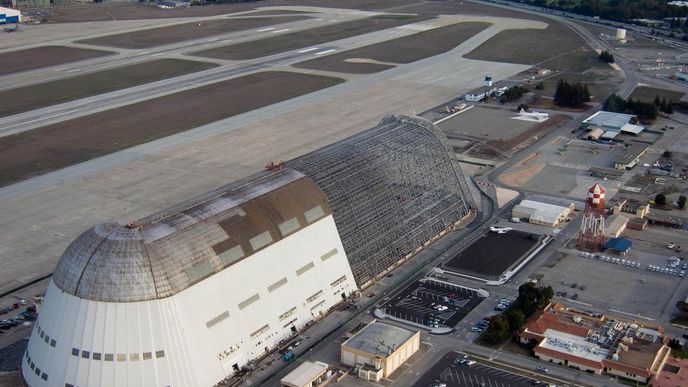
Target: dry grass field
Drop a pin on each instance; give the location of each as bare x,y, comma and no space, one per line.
648,94
401,50
529,46
188,31
103,12
69,142
269,46
35,58
41,95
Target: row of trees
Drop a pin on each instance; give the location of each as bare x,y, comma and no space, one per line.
530,299
615,103
661,200
663,105
571,94
623,10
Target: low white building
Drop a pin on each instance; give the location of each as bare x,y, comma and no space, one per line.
542,213
612,122
307,374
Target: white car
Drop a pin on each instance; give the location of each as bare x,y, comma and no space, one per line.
671,246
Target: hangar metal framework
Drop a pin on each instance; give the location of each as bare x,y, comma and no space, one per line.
392,188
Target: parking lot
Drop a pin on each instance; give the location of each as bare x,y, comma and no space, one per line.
611,285
448,371
433,303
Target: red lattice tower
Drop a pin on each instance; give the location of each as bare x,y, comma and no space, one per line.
591,236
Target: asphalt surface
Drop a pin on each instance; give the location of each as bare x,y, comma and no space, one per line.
417,303
480,374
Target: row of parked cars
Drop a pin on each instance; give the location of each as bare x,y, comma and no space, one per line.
604,258
29,314
502,305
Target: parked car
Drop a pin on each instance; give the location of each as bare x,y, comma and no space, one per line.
671,245
543,369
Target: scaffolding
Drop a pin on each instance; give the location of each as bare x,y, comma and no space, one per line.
392,189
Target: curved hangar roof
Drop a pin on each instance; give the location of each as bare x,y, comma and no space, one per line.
170,251
390,189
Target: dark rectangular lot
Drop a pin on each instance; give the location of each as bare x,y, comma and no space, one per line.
37,96
69,142
414,303
492,254
300,39
35,58
448,371
188,31
401,50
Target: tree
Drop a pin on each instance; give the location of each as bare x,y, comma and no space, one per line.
522,106
615,103
539,86
606,57
663,105
516,319
681,202
547,295
497,331
572,95
660,199
669,108
657,100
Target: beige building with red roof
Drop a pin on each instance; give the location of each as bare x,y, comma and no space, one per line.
596,343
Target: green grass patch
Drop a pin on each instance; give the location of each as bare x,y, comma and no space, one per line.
517,349
41,95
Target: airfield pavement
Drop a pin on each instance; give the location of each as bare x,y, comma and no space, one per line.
306,38
49,93
68,142
188,31
406,49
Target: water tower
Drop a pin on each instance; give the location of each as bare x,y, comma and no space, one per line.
591,236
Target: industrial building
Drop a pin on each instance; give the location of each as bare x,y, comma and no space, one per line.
611,124
596,343
26,4
190,295
629,159
482,92
541,213
615,225
9,15
308,374
630,206
377,350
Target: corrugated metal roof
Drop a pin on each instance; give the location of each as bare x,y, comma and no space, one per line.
169,251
